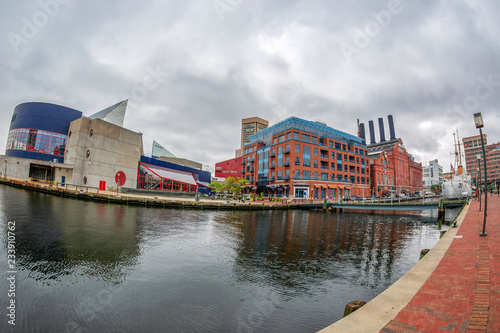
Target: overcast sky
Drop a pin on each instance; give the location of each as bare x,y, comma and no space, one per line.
193,69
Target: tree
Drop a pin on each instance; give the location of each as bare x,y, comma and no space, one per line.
216,187
234,185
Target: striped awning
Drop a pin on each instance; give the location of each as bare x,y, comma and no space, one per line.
178,176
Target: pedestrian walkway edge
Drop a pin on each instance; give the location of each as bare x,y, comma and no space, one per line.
377,313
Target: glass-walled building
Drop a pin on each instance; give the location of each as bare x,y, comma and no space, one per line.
39,131
297,158
163,179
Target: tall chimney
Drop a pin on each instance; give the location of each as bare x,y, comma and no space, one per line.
362,131
381,127
391,127
372,132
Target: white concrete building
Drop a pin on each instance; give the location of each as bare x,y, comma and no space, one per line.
432,174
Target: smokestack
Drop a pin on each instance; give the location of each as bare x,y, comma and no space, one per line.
391,127
372,132
362,131
381,127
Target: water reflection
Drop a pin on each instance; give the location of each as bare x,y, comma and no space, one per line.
106,268
54,236
303,246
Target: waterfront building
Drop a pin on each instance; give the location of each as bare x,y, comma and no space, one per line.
250,126
473,148
98,150
39,131
57,144
392,168
298,158
432,175
229,168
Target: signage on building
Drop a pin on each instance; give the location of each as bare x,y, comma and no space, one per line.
120,178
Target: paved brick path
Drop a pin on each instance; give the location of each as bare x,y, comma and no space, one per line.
463,292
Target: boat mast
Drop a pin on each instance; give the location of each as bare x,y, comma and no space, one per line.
460,166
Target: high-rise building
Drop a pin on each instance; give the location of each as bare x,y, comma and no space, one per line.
250,126
473,148
432,174
297,158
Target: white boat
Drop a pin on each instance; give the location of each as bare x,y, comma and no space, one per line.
456,188
459,186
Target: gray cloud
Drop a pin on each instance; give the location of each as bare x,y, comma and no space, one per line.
269,59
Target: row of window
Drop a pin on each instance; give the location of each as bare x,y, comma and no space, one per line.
308,175
39,141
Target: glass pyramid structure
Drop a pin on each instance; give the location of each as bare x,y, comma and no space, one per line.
114,114
159,151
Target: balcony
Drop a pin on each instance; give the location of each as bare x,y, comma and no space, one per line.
272,166
324,156
286,164
286,151
272,154
286,178
243,162
243,171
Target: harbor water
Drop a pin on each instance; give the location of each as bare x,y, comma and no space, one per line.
90,267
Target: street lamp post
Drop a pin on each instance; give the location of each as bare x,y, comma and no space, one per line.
478,182
478,120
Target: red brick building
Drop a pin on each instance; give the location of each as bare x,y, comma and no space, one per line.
296,158
229,168
472,147
393,169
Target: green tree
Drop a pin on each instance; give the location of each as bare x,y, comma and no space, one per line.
216,187
234,185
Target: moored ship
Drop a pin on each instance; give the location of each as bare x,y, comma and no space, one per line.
459,186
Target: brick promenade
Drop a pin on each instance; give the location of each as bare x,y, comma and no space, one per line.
463,292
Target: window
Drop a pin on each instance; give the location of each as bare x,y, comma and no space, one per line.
306,138
296,174
315,150
297,148
344,147
296,135
39,141
324,176
315,163
307,174
337,145
297,160
288,135
315,140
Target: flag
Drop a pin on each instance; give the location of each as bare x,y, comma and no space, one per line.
452,168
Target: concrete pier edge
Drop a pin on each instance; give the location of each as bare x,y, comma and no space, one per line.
377,313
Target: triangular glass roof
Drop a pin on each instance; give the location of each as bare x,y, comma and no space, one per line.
159,151
114,114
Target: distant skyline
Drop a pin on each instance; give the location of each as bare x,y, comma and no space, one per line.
193,69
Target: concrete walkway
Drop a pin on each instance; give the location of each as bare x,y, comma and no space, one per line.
463,293
454,288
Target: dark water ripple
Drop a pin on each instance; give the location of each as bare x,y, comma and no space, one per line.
87,267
